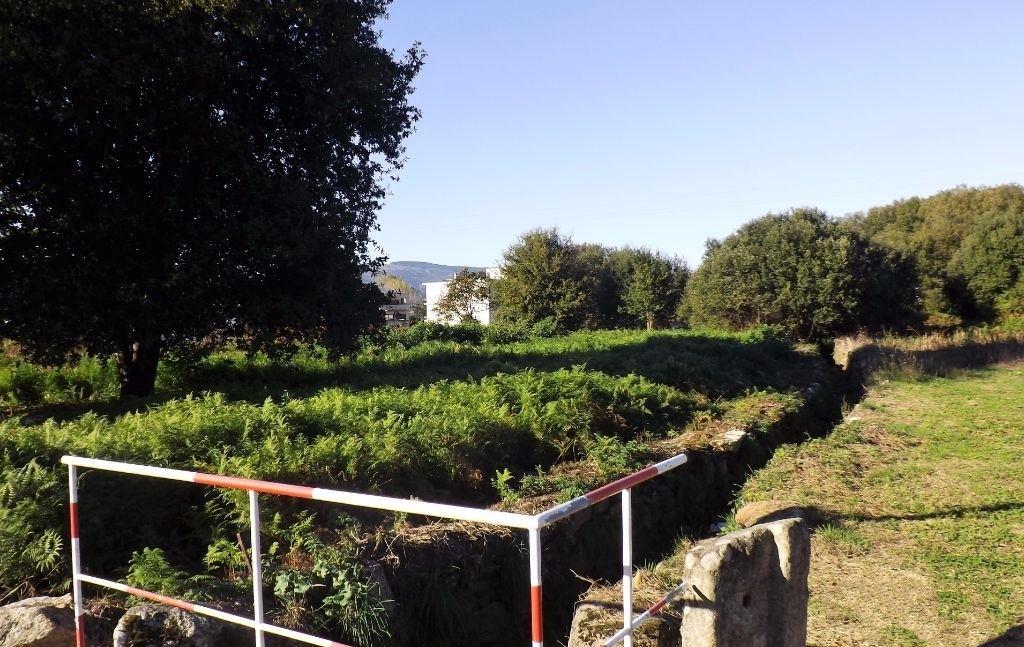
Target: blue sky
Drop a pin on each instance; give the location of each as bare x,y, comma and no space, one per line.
662,124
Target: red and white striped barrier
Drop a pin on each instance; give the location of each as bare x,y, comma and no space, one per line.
626,632
583,502
532,523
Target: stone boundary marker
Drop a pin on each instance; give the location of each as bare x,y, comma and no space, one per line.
748,588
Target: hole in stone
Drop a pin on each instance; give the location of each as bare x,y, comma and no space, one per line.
746,600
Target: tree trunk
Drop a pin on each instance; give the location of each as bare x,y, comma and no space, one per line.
136,367
650,321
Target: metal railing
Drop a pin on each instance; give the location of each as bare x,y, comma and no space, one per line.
533,524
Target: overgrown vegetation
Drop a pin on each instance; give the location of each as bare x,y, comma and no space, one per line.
967,244
432,411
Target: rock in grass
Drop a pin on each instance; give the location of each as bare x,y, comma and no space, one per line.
160,625
38,622
767,511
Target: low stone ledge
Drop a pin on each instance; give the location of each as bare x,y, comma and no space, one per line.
759,512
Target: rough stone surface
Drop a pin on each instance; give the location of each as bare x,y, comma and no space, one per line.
749,588
730,440
38,622
159,625
591,622
769,511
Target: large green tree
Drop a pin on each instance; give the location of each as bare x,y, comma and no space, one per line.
652,285
466,294
989,264
803,271
174,171
933,231
543,276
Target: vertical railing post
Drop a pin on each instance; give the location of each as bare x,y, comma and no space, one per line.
256,559
536,596
627,566
76,555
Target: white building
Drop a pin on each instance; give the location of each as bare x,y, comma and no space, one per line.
436,290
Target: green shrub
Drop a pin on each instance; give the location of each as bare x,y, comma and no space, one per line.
467,332
31,528
545,328
509,333
805,272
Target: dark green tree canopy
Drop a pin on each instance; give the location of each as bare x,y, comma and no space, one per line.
803,271
548,277
990,264
173,171
651,285
934,232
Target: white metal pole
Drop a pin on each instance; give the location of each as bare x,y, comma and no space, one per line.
76,555
627,566
536,595
256,560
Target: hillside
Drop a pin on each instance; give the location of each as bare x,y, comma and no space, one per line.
416,273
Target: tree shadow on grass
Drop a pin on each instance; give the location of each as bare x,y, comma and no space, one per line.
947,358
816,516
65,411
1013,637
715,366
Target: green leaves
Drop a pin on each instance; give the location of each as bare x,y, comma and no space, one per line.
967,246
466,295
804,271
554,285
176,175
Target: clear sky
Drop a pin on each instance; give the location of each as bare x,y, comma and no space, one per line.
662,124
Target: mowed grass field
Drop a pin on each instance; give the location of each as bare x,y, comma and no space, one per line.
921,497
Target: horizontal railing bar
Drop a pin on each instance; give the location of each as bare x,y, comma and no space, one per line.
641,619
411,506
583,502
212,613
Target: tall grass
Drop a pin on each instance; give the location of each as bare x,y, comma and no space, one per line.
933,354
86,378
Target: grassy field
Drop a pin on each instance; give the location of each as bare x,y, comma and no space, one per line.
922,495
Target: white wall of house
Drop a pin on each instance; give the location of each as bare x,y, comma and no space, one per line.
436,290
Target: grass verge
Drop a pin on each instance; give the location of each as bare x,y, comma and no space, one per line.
922,490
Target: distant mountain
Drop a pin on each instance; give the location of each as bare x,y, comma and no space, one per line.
416,273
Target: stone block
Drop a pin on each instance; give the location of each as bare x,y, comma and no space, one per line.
748,588
158,624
